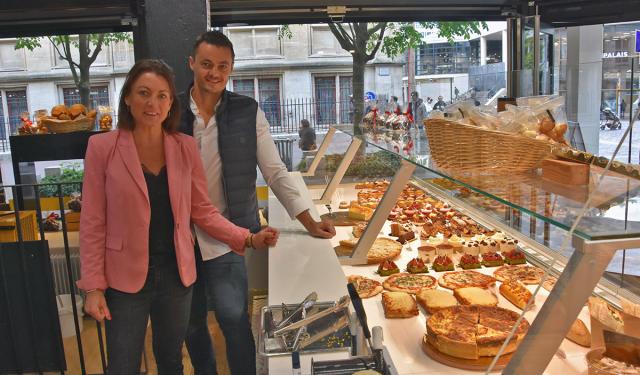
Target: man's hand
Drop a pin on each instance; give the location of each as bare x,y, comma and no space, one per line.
320,229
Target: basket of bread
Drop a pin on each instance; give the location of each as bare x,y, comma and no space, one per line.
468,138
65,119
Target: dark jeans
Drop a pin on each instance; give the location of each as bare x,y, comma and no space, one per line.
223,282
168,302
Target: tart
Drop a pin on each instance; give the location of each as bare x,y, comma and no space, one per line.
514,257
416,265
468,261
492,259
443,263
387,268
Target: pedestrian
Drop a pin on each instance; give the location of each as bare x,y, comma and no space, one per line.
307,134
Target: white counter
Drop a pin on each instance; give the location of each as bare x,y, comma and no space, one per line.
301,264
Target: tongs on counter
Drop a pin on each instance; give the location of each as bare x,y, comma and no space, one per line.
282,329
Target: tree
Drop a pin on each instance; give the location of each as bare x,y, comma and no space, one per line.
363,40
89,47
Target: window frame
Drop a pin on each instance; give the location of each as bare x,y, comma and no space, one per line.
5,106
60,86
21,51
338,51
254,55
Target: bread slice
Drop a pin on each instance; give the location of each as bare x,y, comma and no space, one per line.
475,296
579,334
516,293
433,300
399,305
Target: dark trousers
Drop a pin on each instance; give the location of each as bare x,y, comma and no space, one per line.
223,283
168,302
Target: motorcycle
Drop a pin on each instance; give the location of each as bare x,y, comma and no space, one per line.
608,119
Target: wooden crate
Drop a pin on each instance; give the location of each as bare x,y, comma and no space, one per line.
28,224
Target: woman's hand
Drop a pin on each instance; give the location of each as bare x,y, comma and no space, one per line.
96,305
267,237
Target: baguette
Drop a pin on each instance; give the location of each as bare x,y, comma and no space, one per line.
579,334
515,293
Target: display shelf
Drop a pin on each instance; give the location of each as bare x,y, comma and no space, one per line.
614,198
594,224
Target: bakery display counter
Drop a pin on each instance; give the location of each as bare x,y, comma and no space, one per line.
403,213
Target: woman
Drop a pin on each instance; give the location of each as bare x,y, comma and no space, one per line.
143,186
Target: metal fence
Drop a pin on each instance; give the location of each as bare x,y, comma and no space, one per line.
284,117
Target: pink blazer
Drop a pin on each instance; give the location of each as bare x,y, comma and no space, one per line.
114,224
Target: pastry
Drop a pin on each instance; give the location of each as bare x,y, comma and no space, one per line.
417,265
433,300
409,282
444,249
443,263
387,268
492,259
468,262
343,205
427,253
516,293
579,334
399,305
514,257
475,296
365,287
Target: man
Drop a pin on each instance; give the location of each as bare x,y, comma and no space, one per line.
417,109
233,136
440,104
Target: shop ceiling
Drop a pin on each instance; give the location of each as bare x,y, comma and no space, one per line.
46,17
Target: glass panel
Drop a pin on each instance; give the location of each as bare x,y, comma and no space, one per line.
16,105
346,104
99,96
267,42
269,93
244,87
3,132
325,97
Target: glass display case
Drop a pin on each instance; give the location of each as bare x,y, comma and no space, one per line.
537,247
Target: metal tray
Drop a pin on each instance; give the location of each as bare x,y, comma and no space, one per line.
327,334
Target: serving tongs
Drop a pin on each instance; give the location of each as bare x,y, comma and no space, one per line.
282,329
301,310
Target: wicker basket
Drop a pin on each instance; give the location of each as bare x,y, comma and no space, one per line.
465,148
69,126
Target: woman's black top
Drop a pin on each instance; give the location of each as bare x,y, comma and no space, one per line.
161,248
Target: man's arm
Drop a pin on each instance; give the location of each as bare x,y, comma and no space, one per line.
277,177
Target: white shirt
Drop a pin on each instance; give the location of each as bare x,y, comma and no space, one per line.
274,172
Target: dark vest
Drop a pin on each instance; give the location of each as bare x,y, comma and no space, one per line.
237,142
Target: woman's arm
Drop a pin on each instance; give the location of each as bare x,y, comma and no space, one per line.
93,220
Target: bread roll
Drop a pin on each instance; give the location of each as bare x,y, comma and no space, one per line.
59,110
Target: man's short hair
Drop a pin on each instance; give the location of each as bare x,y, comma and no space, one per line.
415,93
215,38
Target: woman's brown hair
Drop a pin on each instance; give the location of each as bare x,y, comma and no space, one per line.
125,120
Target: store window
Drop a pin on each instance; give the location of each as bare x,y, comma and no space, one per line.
10,58
267,95
99,96
324,43
446,58
332,98
14,103
257,42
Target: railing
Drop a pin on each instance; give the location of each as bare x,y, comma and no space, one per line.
284,117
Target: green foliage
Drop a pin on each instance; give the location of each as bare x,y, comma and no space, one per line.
32,43
70,178
377,164
284,32
402,36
